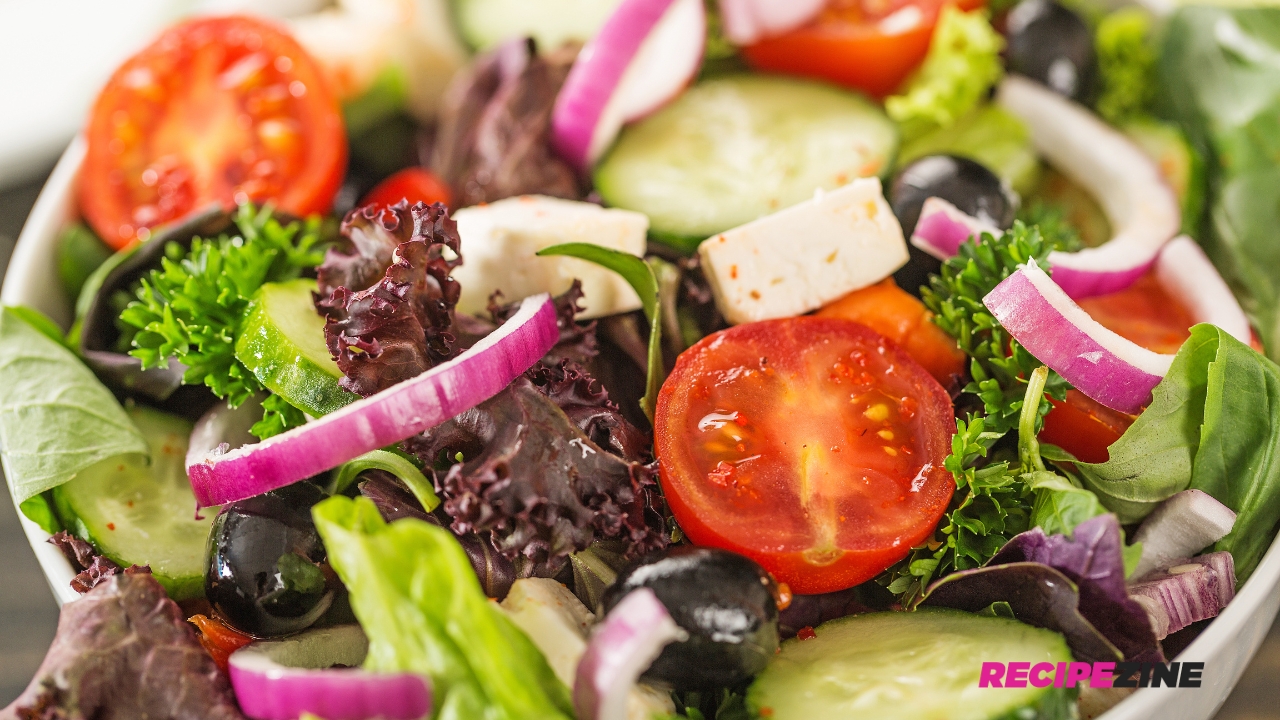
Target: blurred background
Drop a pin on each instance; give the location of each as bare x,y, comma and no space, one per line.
56,100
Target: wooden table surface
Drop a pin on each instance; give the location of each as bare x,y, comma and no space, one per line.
29,616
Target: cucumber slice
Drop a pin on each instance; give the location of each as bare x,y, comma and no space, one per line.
738,147
282,342
907,666
485,24
990,135
139,514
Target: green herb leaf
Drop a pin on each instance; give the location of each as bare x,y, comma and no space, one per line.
393,463
1126,65
56,419
420,603
192,307
39,510
640,275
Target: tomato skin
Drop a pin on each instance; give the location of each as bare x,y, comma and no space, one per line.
859,44
801,395
219,639
412,185
1084,427
216,110
899,316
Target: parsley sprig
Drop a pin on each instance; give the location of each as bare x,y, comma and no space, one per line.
993,499
191,307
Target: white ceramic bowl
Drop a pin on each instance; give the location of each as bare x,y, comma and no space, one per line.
1225,647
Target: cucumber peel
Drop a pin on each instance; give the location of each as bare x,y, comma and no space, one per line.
282,342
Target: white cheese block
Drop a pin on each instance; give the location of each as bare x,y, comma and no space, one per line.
558,624
499,241
805,256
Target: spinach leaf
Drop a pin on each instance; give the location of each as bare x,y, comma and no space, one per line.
1060,505
639,274
56,419
418,599
1220,75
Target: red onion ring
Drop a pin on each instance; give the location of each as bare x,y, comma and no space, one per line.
621,649
748,21
388,417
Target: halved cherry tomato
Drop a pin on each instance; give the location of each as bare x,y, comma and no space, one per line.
1084,427
871,45
812,445
220,109
1143,313
412,185
899,316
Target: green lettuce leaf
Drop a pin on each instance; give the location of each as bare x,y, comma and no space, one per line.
418,600
962,65
1126,65
56,419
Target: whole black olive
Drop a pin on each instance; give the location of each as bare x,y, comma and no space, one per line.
725,602
263,563
965,183
1049,43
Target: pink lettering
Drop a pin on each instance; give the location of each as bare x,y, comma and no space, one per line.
991,674
1076,672
1038,676
1058,676
1102,674
1017,675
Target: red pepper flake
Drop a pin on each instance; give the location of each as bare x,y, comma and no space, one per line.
111,526
806,633
784,596
722,475
907,407
733,272
765,712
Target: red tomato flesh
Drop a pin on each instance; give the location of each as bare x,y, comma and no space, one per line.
411,185
1143,313
869,45
1084,427
812,445
220,109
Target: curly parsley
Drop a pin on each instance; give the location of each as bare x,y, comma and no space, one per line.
191,308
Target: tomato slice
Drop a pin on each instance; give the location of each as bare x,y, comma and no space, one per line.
899,316
1084,427
411,185
219,109
1143,313
870,45
812,445
218,638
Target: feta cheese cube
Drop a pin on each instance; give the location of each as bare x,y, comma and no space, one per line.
499,241
805,256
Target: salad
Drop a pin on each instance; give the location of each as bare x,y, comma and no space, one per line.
608,359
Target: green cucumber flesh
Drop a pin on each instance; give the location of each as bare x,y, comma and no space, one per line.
921,665
282,342
140,514
485,24
738,147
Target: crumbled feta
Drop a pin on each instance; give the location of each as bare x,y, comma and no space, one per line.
805,256
499,241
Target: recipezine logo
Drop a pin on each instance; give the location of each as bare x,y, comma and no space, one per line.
1098,674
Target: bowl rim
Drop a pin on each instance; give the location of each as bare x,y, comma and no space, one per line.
32,267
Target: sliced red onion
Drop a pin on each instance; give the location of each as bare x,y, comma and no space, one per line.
1104,366
1186,591
642,58
1184,271
223,425
282,679
621,649
388,417
1180,527
1141,207
747,21
943,228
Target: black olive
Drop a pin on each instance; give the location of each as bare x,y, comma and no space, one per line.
965,183
724,601
263,564
1049,43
